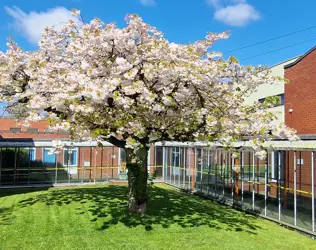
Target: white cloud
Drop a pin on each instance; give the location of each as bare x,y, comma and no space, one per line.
214,3
148,3
234,12
237,15
221,3
239,1
32,24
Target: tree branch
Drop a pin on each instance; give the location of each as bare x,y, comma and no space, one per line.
116,142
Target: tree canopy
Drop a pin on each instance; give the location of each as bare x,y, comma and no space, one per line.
132,87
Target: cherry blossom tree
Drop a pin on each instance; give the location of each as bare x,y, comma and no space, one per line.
131,87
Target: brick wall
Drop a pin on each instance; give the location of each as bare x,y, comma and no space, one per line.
303,172
300,95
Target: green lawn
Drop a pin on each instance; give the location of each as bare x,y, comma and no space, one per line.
95,217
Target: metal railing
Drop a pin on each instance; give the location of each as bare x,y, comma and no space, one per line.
31,164
281,187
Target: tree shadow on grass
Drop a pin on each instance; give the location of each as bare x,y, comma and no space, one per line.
167,207
22,190
6,216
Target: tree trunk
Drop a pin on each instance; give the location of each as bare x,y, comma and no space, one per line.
137,180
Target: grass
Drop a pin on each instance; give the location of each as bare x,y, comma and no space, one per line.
95,217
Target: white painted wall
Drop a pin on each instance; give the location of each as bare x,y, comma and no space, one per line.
266,90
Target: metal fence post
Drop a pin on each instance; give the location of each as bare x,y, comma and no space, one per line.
279,182
190,167
102,152
28,167
295,208
68,169
201,170
272,166
43,166
164,164
265,183
179,168
184,166
18,166
14,171
208,174
253,181
155,156
95,165
112,163
211,170
174,149
0,165
231,175
242,178
56,169
83,174
313,194
195,170
215,165
222,173
249,173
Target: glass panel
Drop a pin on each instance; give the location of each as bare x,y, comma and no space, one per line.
158,161
247,175
287,184
189,162
49,158
304,190
198,170
74,158
176,162
23,161
220,173
169,163
272,183
32,154
204,170
227,166
70,157
259,185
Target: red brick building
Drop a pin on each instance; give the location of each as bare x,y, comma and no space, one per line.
10,128
300,106
80,162
300,94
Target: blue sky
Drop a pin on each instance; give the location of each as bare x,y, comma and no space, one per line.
182,21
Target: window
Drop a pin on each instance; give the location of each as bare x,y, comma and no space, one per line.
24,157
122,155
48,131
32,154
159,156
273,101
15,130
70,156
47,157
261,100
274,173
32,130
122,162
282,99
